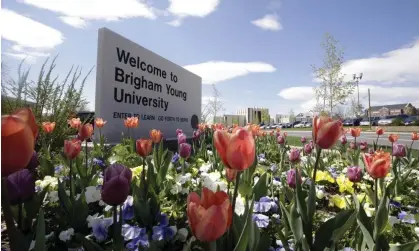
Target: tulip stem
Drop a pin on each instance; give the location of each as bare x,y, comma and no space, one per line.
376,195
87,157
212,246
8,217
236,189
183,166
19,217
316,164
71,180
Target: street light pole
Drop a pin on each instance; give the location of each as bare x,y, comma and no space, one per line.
356,79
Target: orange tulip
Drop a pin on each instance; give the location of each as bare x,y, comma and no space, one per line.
393,137
85,131
131,122
99,122
231,174
379,131
377,164
415,136
48,127
278,129
155,136
355,132
326,131
18,132
210,215
237,150
144,147
72,148
74,123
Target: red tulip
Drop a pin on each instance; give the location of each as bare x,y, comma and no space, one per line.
74,123
237,150
379,131
18,132
48,127
155,136
393,137
144,147
355,132
415,136
209,216
85,131
72,148
326,131
377,164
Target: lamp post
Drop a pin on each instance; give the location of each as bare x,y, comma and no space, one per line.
356,79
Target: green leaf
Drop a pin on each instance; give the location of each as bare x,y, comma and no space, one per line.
151,175
343,222
324,235
261,187
311,208
163,169
254,236
411,246
381,217
264,242
64,199
296,223
364,224
32,207
300,198
244,236
245,188
40,232
88,245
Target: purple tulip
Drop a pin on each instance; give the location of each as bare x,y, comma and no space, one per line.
181,138
178,131
196,134
307,149
363,146
185,150
294,155
280,140
116,184
354,174
34,163
352,145
343,140
20,186
311,144
303,140
399,150
291,178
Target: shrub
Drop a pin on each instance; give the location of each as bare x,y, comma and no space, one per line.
397,122
51,99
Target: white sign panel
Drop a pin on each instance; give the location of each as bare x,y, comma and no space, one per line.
133,81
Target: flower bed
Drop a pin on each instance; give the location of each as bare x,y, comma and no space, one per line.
240,190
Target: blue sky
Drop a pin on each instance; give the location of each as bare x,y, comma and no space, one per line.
258,53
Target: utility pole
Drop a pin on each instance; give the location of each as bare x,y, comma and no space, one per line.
369,107
356,79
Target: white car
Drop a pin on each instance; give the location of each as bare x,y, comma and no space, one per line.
300,125
385,122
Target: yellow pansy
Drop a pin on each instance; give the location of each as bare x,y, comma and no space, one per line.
362,197
136,171
200,161
338,201
345,184
322,175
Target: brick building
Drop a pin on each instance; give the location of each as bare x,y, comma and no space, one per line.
388,110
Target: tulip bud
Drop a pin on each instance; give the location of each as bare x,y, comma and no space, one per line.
326,131
48,127
20,186
34,162
179,131
85,132
343,140
181,138
280,140
72,148
116,184
303,140
378,164
99,122
291,178
354,174
307,149
196,134
379,131
355,132
185,150
294,155
415,136
393,137
74,123
144,147
155,136
399,150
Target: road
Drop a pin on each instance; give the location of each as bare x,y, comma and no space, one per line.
369,137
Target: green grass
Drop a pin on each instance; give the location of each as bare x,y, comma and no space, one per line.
296,141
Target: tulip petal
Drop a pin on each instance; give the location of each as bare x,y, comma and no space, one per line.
328,134
213,223
241,150
221,141
27,115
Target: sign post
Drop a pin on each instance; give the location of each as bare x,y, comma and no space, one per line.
133,81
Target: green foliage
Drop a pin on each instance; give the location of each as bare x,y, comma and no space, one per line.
397,122
51,99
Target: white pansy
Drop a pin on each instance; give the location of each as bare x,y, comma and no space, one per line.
99,181
320,194
212,181
205,167
417,231
209,152
184,190
66,235
92,219
369,211
182,179
53,196
182,234
92,194
49,181
176,188
393,220
239,209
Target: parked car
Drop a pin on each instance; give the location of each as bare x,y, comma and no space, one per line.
366,121
352,122
308,124
388,120
299,125
411,120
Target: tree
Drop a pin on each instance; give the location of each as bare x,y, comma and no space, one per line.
355,109
265,116
333,90
411,110
215,104
292,116
205,113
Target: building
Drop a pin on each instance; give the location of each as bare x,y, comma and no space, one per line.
304,117
229,120
284,119
255,115
388,110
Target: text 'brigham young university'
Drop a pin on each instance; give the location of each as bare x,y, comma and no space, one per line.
141,83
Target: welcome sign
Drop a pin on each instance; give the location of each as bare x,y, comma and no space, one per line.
133,81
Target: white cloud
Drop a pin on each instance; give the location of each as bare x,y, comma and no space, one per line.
268,22
175,23
397,66
213,72
108,10
194,8
26,32
297,93
76,22
29,57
